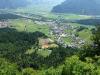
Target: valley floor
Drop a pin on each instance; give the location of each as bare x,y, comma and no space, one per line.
48,44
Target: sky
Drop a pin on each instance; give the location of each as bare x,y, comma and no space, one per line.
47,1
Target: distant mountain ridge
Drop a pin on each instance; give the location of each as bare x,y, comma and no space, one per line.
44,5
12,3
22,3
83,7
53,2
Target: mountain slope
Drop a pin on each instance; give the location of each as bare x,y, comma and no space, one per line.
12,3
36,5
45,4
52,2
86,7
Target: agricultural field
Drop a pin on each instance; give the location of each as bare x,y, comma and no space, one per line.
28,26
39,23
86,34
66,16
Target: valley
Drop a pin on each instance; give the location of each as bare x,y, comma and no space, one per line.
58,28
45,37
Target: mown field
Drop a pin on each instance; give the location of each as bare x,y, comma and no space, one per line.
28,26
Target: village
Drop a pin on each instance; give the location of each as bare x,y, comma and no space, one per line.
59,32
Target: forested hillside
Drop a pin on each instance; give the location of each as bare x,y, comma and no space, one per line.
84,7
14,59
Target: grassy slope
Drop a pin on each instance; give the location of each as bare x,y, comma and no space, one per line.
86,35
19,24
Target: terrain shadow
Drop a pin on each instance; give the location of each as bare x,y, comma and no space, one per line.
7,16
14,44
89,22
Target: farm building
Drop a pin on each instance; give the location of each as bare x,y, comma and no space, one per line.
46,43
3,24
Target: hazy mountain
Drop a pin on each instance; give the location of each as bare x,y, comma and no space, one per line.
12,3
35,4
87,7
43,5
46,4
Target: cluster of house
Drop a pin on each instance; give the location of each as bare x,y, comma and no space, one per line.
40,22
3,24
59,33
77,41
44,22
